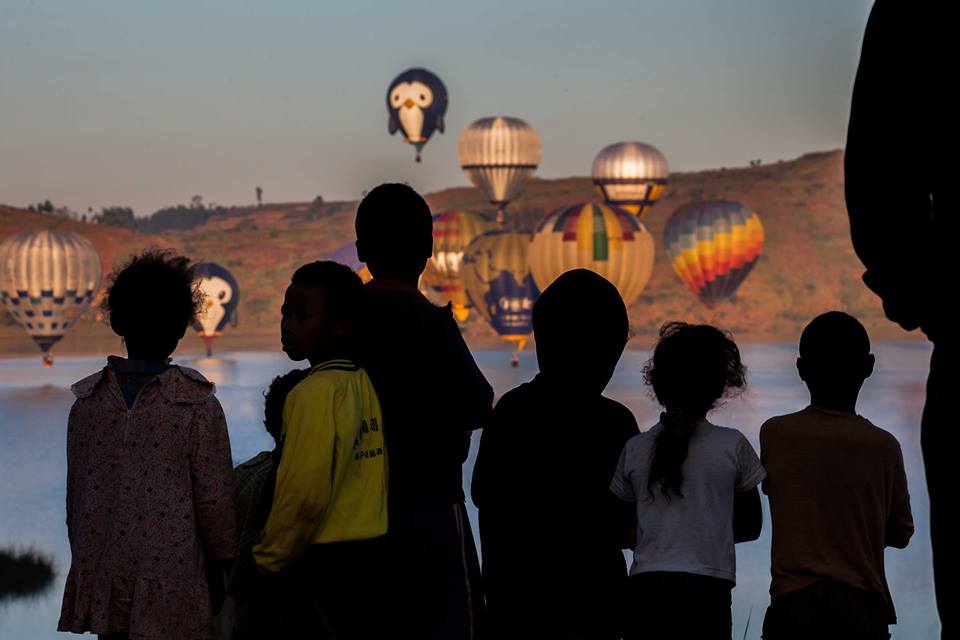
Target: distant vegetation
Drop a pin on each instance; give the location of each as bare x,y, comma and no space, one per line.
24,574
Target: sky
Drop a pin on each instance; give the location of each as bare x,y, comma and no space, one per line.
145,104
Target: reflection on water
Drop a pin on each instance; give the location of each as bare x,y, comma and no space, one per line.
34,403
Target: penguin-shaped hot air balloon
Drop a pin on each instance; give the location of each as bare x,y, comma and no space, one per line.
416,104
221,295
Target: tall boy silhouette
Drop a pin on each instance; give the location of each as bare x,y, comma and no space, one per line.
432,395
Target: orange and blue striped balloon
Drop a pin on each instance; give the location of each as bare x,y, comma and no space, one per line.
713,246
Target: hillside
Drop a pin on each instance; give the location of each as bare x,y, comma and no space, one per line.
808,265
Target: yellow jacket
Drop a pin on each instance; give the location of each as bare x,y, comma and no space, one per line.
332,479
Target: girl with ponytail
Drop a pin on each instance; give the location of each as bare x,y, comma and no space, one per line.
694,486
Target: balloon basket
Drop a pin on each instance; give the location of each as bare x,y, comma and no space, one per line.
515,359
47,360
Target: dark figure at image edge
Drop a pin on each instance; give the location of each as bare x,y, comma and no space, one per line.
149,477
319,560
838,497
551,531
907,242
433,395
694,487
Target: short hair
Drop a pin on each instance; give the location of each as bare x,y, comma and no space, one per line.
153,291
276,396
395,226
834,336
581,304
343,288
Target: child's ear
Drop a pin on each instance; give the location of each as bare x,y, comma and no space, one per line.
868,365
802,369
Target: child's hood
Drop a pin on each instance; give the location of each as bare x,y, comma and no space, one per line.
177,384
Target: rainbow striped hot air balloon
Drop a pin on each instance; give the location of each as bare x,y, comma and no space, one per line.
713,246
604,239
497,278
452,232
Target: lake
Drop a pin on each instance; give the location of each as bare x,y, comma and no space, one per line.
34,403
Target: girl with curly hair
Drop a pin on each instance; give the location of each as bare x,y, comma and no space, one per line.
694,486
149,477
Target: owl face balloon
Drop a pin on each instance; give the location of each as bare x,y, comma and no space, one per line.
416,104
220,298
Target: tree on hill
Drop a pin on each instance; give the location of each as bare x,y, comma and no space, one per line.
116,217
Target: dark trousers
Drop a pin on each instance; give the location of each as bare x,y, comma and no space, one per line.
667,605
334,590
435,589
827,610
939,439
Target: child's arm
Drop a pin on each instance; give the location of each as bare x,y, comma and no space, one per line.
747,512
899,527
71,469
465,389
211,473
747,515
304,477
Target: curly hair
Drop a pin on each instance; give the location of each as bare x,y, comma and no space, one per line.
693,368
153,291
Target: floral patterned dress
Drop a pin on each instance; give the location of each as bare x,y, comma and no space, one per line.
149,502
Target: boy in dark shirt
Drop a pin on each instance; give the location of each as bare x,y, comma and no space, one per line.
550,529
433,395
838,496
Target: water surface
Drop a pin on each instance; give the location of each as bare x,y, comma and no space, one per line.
34,403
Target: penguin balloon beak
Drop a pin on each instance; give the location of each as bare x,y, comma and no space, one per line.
408,104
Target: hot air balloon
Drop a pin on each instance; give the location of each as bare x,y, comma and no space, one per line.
47,280
498,154
452,232
347,255
604,239
713,246
497,278
630,175
221,296
416,104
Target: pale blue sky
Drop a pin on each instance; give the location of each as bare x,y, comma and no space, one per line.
145,103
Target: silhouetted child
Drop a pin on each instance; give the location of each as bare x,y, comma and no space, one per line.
694,485
433,395
253,494
838,496
330,499
149,476
550,530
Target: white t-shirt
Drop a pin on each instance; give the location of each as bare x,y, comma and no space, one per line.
692,534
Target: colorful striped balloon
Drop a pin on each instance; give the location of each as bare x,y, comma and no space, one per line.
606,240
713,245
497,278
452,232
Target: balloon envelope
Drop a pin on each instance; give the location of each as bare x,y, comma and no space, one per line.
630,175
452,232
221,295
498,154
497,278
416,106
713,246
604,239
47,281
347,255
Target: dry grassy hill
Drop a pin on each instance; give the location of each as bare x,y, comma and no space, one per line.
808,265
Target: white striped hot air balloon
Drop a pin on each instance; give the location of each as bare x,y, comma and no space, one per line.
630,175
48,279
498,154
